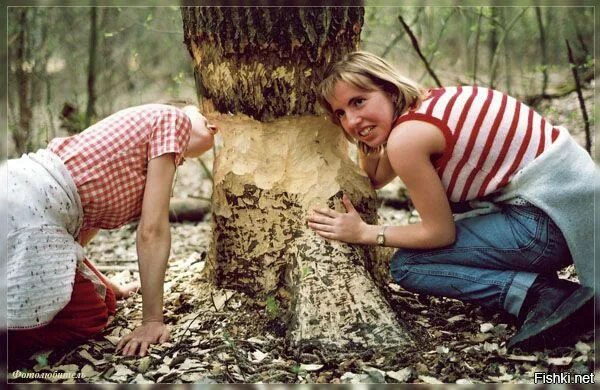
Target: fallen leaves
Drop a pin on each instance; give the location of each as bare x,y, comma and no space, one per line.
221,336
311,367
401,376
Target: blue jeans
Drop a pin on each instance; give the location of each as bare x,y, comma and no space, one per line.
493,262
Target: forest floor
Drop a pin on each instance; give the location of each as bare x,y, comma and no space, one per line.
223,336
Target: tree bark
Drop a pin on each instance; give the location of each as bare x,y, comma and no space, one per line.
91,78
493,45
21,136
280,158
543,51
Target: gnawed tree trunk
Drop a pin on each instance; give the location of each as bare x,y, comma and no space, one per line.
279,160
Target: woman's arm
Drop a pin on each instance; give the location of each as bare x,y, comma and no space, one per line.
86,236
411,146
153,243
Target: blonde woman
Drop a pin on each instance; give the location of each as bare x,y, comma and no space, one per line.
504,197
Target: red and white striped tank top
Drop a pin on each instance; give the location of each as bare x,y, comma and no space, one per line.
489,135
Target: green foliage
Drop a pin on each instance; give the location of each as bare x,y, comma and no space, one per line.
589,63
42,359
148,19
508,40
140,59
305,272
229,341
297,370
178,80
272,307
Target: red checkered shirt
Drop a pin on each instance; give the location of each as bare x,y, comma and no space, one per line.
108,161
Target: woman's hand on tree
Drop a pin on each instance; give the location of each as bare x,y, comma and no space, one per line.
152,332
347,227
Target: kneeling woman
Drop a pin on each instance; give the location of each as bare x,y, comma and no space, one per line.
461,146
117,170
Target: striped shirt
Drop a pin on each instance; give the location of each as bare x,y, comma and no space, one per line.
109,160
489,135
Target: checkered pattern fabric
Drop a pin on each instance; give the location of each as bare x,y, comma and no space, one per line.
109,160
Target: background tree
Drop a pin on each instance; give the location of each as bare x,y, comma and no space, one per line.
24,39
140,58
91,74
279,159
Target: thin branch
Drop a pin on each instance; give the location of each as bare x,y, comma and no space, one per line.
415,44
476,55
538,13
499,44
399,36
493,22
207,171
501,41
586,121
389,47
444,24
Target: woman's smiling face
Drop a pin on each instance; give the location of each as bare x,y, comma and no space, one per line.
366,116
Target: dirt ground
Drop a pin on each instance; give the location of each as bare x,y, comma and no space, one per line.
222,336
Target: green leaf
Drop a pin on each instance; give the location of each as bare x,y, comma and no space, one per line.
272,306
306,271
42,360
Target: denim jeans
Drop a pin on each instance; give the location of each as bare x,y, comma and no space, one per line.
493,262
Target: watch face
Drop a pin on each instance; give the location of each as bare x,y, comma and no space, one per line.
380,239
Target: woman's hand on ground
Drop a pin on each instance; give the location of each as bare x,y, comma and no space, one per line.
142,337
124,291
347,227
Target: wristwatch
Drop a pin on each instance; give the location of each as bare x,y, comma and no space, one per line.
381,236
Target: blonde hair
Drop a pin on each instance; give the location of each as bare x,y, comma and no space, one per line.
369,72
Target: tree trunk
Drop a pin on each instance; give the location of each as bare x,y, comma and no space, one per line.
493,45
476,50
21,136
91,78
279,160
543,51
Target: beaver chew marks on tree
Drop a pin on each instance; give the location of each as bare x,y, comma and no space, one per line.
280,158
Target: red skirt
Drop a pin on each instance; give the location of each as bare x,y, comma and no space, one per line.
85,315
